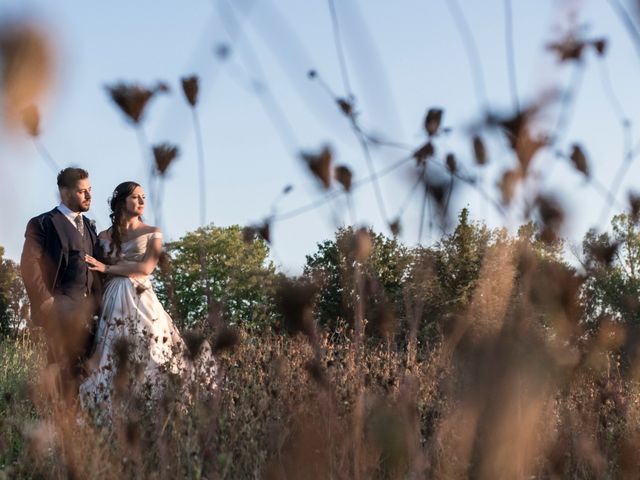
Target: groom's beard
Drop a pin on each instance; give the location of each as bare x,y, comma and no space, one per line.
76,206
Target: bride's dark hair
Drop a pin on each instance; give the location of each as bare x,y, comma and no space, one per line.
117,203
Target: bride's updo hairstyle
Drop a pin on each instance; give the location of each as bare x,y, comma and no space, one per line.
117,203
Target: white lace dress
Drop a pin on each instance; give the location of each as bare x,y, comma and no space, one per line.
138,348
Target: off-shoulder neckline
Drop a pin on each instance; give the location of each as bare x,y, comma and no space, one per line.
136,237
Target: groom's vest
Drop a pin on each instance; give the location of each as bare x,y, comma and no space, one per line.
75,280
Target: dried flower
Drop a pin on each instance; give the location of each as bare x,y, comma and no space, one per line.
320,165
634,204
133,98
395,227
361,244
425,151
579,160
193,341
294,301
432,121
479,150
227,338
263,230
190,89
316,372
552,217
25,67
451,163
164,154
568,49
343,176
600,46
31,120
345,106
508,184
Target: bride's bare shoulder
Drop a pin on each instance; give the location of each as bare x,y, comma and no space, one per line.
145,229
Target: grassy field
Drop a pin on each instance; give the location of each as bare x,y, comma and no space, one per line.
498,407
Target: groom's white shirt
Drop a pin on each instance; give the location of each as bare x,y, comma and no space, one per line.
67,212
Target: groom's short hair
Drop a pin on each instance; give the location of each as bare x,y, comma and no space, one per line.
69,177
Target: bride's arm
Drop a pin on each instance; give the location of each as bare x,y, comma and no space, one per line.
127,267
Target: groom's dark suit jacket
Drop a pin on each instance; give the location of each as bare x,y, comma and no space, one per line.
52,262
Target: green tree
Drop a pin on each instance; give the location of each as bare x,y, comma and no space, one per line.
383,273
13,297
612,264
459,258
219,263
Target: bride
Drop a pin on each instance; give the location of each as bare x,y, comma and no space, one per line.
137,346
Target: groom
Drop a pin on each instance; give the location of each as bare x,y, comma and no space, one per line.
63,292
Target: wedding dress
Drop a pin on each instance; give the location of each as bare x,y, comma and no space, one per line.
138,348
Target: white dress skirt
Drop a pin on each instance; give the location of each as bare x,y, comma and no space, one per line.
138,350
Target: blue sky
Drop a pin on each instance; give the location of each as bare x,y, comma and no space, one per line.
403,57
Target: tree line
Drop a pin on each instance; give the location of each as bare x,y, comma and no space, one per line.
223,275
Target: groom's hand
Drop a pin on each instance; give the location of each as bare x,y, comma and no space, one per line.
95,265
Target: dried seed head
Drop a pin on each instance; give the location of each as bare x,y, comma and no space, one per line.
227,339
508,184
345,106
121,349
316,372
432,121
133,98
570,48
31,120
423,153
164,262
600,46
164,154
479,150
634,205
552,217
190,89
320,165
579,160
527,147
264,231
343,176
193,341
451,163
605,252
362,245
395,227
26,65
294,301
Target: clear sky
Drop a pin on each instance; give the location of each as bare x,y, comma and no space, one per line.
402,58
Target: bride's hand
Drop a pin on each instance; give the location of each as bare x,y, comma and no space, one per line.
95,265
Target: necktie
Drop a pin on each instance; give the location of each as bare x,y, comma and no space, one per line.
80,225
